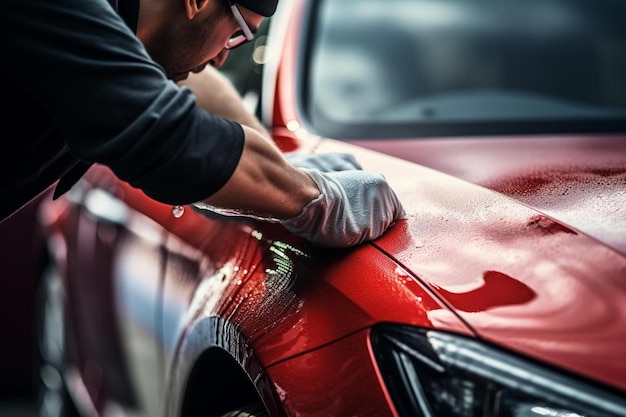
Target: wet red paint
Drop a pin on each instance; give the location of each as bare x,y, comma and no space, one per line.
456,230
579,181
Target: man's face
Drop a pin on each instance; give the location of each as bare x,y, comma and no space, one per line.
183,44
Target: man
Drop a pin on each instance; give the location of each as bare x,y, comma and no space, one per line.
86,86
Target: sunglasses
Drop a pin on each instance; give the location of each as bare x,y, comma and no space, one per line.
242,36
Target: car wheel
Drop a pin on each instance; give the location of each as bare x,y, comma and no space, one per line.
54,399
251,410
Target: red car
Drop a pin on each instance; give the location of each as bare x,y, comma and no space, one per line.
500,125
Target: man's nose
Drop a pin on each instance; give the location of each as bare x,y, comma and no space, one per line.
219,59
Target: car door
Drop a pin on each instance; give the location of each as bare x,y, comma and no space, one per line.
153,264
113,291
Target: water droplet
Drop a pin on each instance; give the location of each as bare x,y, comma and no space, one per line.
401,272
178,211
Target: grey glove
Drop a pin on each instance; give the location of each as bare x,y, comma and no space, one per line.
325,162
353,207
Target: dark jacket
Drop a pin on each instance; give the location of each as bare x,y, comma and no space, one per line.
81,89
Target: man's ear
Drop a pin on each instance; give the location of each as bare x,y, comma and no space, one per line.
193,7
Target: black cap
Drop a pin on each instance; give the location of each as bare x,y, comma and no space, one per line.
263,7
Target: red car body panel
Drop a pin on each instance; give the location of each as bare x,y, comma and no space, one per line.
486,263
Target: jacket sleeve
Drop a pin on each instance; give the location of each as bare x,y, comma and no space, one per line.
112,103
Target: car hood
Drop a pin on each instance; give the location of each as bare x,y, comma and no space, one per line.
523,238
578,181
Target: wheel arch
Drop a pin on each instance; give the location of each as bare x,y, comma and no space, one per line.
217,384
215,371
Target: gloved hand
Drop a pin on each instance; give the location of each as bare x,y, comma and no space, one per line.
353,207
325,162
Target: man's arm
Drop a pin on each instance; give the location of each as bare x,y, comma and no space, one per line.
214,92
265,183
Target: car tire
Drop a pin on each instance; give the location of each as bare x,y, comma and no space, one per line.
53,397
251,410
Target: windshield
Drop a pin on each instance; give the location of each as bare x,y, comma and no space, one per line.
447,67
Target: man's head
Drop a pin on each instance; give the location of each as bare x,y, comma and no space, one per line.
186,35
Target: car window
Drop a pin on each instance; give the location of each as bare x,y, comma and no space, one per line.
490,63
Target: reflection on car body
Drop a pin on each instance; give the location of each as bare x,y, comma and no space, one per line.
500,125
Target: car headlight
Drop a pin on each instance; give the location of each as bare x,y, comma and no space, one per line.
430,373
